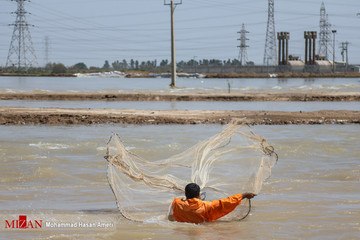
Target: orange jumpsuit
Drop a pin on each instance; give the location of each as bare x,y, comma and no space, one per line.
197,211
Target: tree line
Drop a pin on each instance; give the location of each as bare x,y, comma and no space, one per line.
123,65
165,65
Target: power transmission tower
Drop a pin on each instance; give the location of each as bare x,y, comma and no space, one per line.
344,52
333,53
270,54
243,54
47,43
173,5
21,52
325,33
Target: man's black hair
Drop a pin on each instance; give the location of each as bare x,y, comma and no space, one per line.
192,190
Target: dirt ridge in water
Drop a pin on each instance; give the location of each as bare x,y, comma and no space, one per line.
63,116
303,97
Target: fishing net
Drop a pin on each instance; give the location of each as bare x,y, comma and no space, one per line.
233,161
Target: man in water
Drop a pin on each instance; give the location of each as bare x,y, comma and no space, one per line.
194,210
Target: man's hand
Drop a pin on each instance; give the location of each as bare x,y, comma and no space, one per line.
248,195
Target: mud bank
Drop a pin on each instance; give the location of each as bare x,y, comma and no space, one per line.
62,116
334,96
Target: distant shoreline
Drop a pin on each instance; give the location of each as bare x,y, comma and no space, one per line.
141,74
35,75
208,97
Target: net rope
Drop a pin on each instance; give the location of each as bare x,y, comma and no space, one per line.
233,161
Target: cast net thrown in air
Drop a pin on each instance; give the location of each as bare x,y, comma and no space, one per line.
233,161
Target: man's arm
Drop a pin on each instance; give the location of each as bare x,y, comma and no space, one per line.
222,207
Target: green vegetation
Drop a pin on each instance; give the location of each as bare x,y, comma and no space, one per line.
59,69
134,68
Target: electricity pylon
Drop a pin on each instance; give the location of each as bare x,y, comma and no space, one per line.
21,52
270,54
243,57
325,33
344,52
47,43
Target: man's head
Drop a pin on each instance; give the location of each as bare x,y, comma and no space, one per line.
192,190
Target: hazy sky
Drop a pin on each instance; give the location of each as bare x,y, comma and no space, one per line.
92,31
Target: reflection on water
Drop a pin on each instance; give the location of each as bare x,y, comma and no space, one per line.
282,81
59,174
309,80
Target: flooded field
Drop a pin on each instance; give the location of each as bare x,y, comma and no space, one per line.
185,85
58,174
227,106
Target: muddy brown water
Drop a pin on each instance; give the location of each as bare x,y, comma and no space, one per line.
57,174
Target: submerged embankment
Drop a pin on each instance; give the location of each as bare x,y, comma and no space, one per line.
61,116
95,96
58,116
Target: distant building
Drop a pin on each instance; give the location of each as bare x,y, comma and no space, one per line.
296,65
